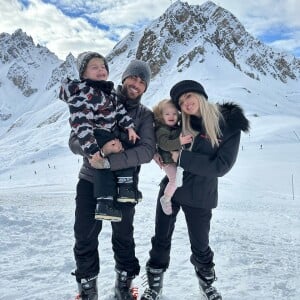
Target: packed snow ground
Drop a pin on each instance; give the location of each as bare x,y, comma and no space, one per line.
255,229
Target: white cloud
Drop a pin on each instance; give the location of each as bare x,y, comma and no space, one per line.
48,26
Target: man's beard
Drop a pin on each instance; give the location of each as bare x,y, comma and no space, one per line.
128,95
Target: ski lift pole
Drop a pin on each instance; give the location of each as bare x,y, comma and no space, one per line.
293,186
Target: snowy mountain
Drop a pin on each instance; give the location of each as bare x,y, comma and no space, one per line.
209,44
205,43
187,35
28,73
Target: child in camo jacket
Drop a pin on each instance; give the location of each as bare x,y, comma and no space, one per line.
96,117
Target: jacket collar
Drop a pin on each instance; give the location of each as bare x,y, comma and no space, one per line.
234,116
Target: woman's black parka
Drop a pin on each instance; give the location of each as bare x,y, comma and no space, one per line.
204,164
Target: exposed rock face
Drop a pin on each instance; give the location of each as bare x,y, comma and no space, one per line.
200,30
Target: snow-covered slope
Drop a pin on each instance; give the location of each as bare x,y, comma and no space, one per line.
254,234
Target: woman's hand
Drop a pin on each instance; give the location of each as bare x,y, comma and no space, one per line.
113,146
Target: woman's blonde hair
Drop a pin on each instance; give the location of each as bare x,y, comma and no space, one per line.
159,107
211,117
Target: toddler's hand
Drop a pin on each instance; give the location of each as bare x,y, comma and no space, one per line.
185,139
132,136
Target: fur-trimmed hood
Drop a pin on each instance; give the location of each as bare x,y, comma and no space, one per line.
234,116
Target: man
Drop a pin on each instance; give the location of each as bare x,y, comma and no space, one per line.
135,81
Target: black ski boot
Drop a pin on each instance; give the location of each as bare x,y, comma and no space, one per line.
123,285
106,210
127,193
155,284
88,289
206,277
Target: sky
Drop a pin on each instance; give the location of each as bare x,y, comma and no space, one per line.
65,26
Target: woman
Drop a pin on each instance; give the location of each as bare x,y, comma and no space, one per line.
216,131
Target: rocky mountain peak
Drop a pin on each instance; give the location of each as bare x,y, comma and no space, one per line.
65,69
25,61
13,45
186,34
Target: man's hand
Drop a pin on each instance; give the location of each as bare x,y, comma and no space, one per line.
98,162
113,146
157,158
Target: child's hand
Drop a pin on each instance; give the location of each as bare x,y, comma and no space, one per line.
132,136
185,139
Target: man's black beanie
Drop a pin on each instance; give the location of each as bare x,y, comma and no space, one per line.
183,87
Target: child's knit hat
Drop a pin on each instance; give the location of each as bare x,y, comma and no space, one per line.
84,58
